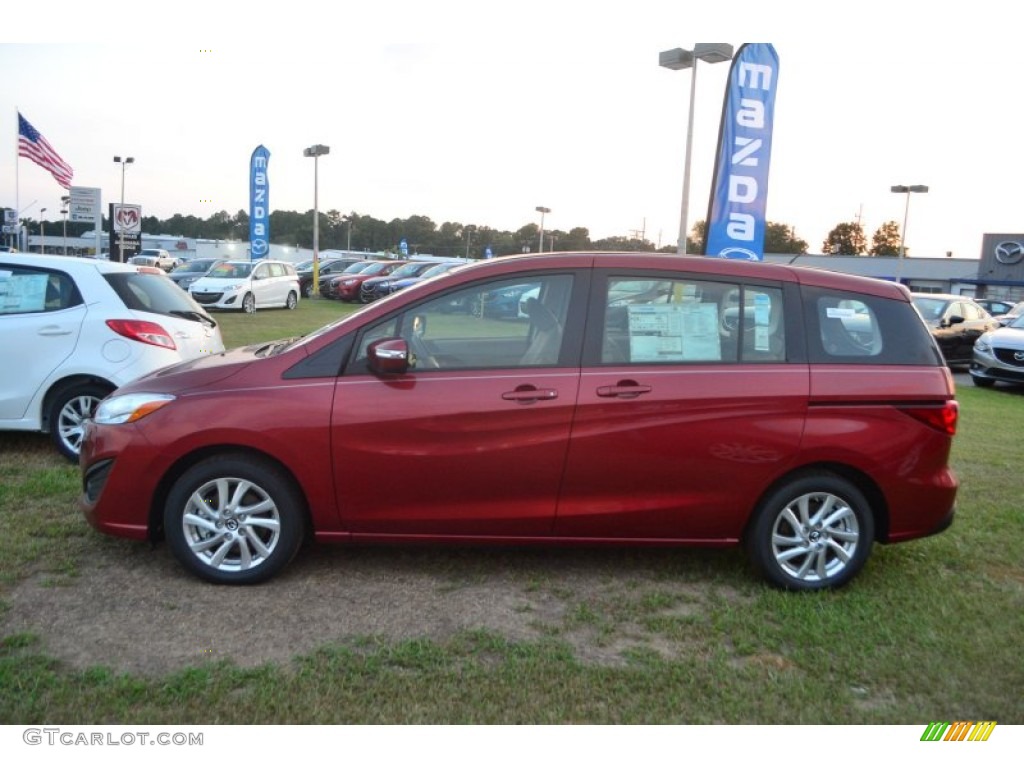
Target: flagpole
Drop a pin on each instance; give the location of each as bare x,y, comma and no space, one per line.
17,182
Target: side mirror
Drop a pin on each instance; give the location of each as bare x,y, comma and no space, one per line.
953,320
388,357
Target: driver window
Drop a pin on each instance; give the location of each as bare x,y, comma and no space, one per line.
508,323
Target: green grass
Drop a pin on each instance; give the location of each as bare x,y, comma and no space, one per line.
930,630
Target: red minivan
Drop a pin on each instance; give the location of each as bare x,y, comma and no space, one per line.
636,399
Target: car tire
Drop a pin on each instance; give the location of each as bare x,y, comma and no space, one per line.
234,519
70,406
249,304
813,532
292,302
983,383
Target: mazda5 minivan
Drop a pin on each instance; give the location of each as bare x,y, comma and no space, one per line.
639,400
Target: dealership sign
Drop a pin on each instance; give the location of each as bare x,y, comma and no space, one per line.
126,231
84,204
259,203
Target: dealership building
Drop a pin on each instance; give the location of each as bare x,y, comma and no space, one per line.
997,273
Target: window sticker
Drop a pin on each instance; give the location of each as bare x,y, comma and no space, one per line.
674,332
23,293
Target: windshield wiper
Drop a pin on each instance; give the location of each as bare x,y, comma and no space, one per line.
190,314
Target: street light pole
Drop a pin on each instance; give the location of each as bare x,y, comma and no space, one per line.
42,231
120,240
680,58
64,201
905,189
542,210
315,152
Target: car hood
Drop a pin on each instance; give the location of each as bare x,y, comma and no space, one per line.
217,283
1008,338
200,372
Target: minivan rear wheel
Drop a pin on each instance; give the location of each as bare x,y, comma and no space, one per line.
234,519
813,532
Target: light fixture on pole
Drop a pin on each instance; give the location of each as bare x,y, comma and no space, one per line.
542,210
120,240
42,232
315,152
64,202
680,58
907,190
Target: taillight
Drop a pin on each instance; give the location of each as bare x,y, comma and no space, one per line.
144,331
941,417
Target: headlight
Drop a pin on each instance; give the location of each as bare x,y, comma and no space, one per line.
984,343
125,409
233,287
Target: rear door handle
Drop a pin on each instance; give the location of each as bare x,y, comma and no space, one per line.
54,330
624,389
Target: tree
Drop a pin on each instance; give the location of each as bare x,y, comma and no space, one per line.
781,238
886,240
845,239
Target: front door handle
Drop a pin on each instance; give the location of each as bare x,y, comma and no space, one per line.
527,393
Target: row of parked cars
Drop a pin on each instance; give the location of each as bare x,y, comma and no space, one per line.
990,346
366,280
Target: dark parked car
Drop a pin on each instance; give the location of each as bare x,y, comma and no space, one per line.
646,423
328,268
376,287
346,287
190,271
327,283
956,323
999,355
391,284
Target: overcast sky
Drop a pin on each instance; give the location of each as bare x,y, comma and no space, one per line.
479,112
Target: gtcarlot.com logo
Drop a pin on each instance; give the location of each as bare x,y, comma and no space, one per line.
961,730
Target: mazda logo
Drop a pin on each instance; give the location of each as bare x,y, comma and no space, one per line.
1009,252
1019,357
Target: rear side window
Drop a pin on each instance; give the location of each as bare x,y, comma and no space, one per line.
153,293
691,321
858,328
27,289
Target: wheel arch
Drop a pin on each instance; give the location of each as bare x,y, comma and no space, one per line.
865,484
185,463
74,380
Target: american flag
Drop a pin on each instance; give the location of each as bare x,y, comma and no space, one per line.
32,145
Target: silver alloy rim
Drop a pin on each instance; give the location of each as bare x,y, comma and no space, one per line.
231,524
249,303
815,536
71,422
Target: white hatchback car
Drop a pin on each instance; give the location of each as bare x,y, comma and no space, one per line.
248,285
73,330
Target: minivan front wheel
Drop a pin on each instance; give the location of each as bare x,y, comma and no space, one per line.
249,303
234,519
814,532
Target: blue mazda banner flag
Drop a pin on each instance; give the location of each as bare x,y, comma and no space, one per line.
259,204
739,190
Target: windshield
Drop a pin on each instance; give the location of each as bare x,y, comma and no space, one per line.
231,269
438,269
930,309
358,267
1017,322
200,265
375,269
409,270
